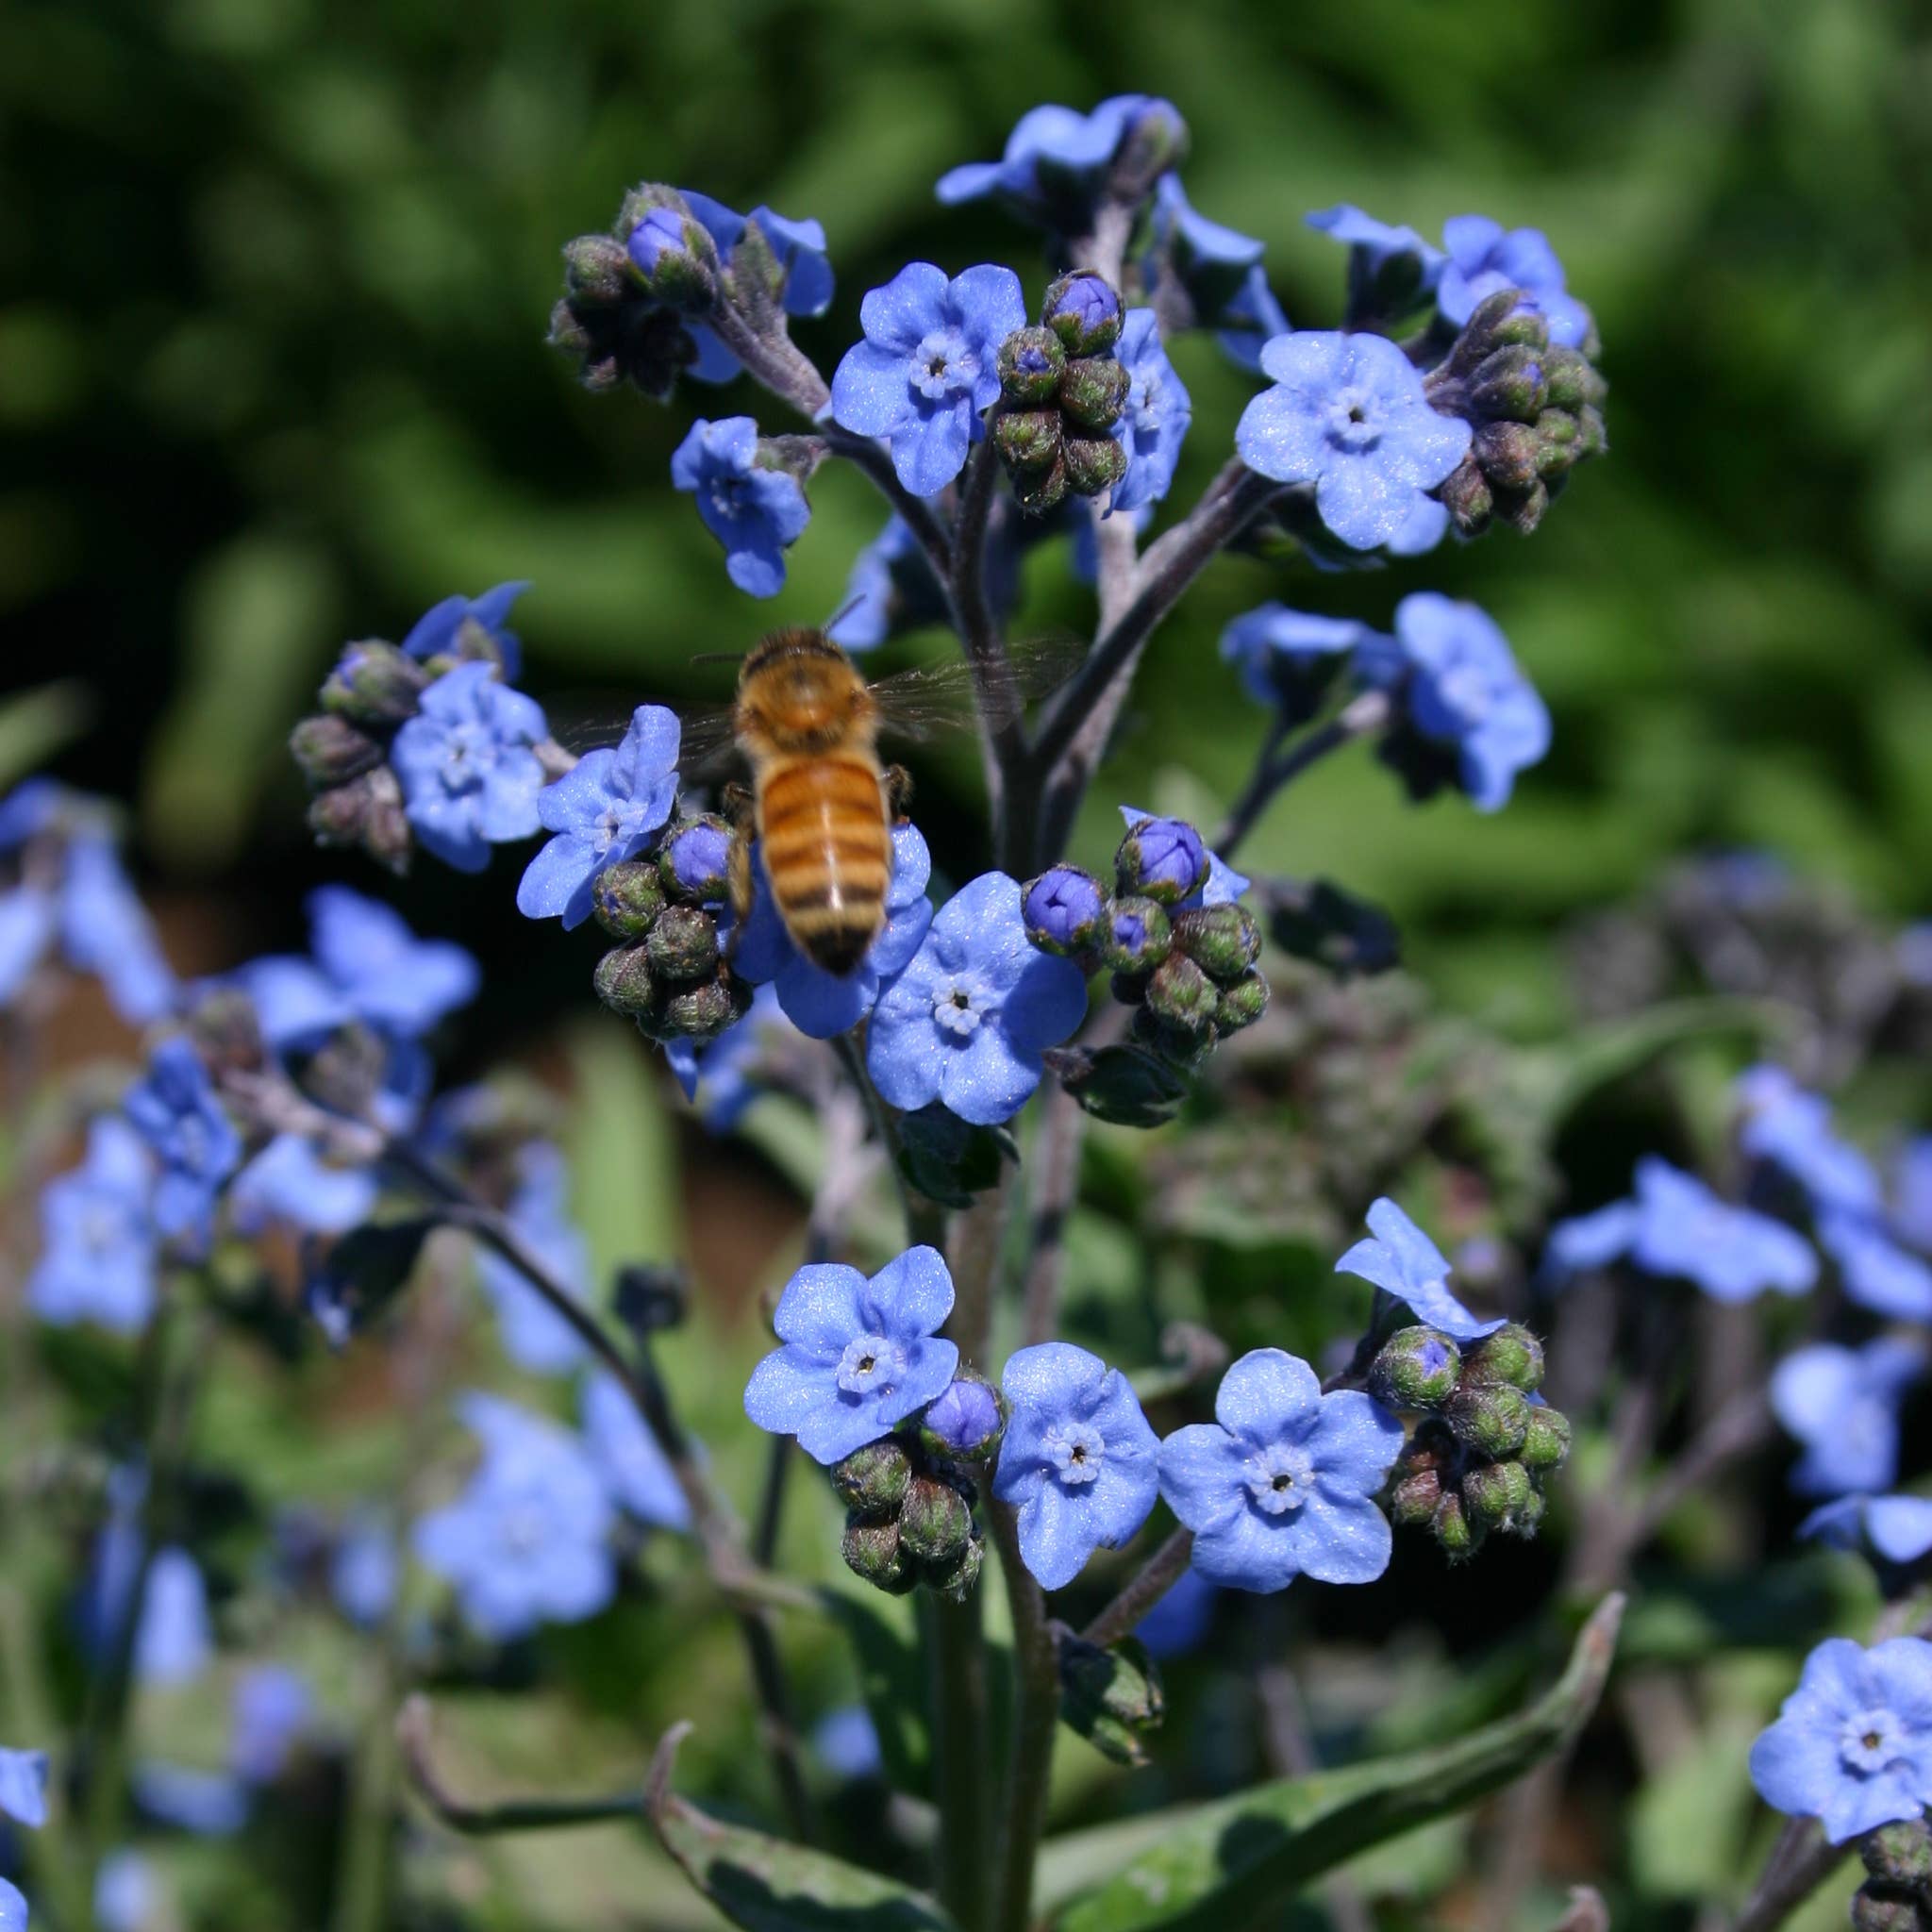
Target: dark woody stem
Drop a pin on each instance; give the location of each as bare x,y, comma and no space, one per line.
1149,1584
1365,713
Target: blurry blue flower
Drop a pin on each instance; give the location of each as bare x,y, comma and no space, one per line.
1875,1272
1853,1744
1791,1129
823,1004
1222,885
97,1262
633,1463
1483,257
172,1638
847,1743
1085,302
525,1543
1911,1191
1181,1617
1288,658
125,1893
963,1417
436,633
1154,420
1219,280
1078,1461
174,1110
1677,1228
28,809
927,368
289,1185
1056,162
12,1907
106,930
1897,1529
1476,719
1842,1404
967,1018
24,1785
363,1571
602,811
1402,1260
27,918
534,1335
272,1708
753,511
726,1067
469,775
174,1641
1913,952
211,1804
1373,243
892,587
1283,1482
1251,320
859,1356
1348,414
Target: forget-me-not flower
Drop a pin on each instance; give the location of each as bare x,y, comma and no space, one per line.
966,1020
859,1356
1675,1227
1895,1529
175,1639
1791,1131
1483,257
106,930
289,1185
1155,417
1288,658
362,1570
1180,1618
1853,1745
604,809
273,1706
1078,1461
12,1907
847,1743
467,766
755,511
439,631
174,1110
927,369
1058,160
1283,1482
97,1262
527,1543
823,1004
726,1068
534,1335
1474,719
633,1463
1222,887
1911,1191
1842,1404
24,1785
1348,414
1876,1272
1372,244
1403,1261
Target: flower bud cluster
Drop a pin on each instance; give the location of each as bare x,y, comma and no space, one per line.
1061,392
668,971
910,1497
1535,409
1478,1459
1896,1895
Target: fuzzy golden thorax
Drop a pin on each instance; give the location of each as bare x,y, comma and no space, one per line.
798,695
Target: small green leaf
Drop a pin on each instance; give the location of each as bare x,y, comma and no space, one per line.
767,1885
35,724
1237,1860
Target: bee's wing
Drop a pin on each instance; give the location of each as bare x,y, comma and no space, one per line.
704,734
932,698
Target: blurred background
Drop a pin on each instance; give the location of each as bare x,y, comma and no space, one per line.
273,283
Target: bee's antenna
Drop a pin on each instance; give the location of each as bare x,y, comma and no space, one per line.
844,611
720,657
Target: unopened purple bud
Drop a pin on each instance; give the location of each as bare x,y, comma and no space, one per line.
660,230
1065,911
697,861
1163,859
1083,312
965,1420
1138,936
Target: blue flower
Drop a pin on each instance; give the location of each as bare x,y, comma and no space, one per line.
1220,282
12,1907
24,1785
635,1468
535,1337
1403,1261
124,1893
1283,1482
1348,414
27,919
211,1804
967,1018
859,1356
1222,885
728,1067
1473,718
1842,1404
927,368
527,1541
289,1185
439,631
892,589
823,1004
1791,1131
1056,162
362,1571
1251,320
174,1110
847,1743
98,1262
1372,244
106,930
1677,1228
1895,1529
800,249
1154,420
1853,1745
753,511
603,810
1288,658
175,1641
1911,1191
1179,1620
272,1708
1078,1461
1483,257
465,761
1877,1272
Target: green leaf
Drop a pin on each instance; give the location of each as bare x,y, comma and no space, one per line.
768,1885
1225,1865
35,724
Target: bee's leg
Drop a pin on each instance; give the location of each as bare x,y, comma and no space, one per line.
738,808
898,782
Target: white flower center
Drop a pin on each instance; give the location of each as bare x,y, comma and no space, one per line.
464,757
1278,1478
522,1530
868,1364
1355,419
1077,1451
1871,1739
942,366
953,1011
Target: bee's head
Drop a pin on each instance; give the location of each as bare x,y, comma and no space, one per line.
799,693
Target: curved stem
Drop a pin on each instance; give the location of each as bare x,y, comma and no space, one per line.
1154,1579
1056,1170
1366,712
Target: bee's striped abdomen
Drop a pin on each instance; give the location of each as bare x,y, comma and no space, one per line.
827,852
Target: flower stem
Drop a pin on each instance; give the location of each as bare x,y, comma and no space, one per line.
1154,1579
1036,1713
1273,769
957,1649
1056,1168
